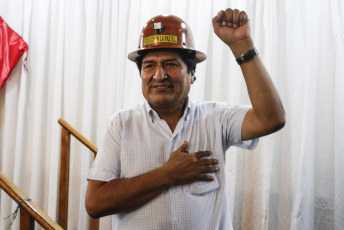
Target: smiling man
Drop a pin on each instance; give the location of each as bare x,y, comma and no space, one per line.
161,164
166,83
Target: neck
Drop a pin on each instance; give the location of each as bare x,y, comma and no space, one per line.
170,115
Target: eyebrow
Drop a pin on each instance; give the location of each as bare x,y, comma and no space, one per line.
164,61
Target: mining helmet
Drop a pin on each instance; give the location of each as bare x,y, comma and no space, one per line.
166,32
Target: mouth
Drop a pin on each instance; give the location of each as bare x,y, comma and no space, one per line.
162,87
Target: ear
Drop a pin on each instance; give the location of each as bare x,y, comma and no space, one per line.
193,78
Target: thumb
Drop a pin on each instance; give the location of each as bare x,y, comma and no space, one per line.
184,146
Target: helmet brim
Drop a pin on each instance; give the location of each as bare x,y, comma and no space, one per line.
199,55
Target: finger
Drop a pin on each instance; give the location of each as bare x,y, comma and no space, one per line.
224,18
236,13
217,20
205,177
183,147
209,169
205,162
202,154
242,18
229,17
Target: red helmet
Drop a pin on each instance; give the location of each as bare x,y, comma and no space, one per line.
166,31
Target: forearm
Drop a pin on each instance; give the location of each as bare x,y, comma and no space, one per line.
120,195
266,103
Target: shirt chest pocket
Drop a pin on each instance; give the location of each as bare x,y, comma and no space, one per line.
204,187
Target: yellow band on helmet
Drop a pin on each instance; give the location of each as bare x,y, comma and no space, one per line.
160,38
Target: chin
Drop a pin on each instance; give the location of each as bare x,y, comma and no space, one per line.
161,103
161,100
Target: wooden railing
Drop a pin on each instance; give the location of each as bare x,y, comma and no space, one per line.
67,130
29,211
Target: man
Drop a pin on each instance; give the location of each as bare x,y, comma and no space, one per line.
161,164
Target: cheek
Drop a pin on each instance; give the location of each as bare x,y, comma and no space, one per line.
143,84
188,79
144,78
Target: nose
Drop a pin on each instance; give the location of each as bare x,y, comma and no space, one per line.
160,74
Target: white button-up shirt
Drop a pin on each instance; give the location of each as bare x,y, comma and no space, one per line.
137,141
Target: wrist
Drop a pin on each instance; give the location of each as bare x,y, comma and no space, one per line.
248,56
241,47
166,177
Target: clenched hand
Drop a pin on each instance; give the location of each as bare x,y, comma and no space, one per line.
232,26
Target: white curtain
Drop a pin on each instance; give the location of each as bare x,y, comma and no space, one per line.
79,71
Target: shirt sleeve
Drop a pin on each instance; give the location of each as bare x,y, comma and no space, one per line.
107,165
232,118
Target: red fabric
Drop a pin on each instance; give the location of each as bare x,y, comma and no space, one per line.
12,47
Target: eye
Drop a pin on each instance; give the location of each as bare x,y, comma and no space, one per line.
171,64
148,66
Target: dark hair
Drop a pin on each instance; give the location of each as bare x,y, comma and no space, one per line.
188,57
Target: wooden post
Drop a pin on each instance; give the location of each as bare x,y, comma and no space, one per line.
94,224
64,179
67,131
26,221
